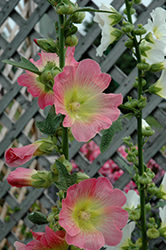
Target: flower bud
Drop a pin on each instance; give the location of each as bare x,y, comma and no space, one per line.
132,11
148,207
65,162
129,43
162,231
149,38
81,177
152,189
71,41
48,45
131,157
43,179
153,89
153,233
137,1
115,16
116,33
127,27
46,147
139,242
64,9
140,31
156,67
134,214
142,102
78,17
135,84
143,66
144,179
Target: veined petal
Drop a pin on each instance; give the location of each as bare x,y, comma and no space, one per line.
92,216
21,177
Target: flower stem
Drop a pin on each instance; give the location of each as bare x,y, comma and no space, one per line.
65,142
140,138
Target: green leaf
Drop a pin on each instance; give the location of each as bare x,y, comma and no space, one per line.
24,64
65,179
37,218
51,123
109,134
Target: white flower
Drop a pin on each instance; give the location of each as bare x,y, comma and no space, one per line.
157,26
127,231
162,213
105,22
161,83
133,199
145,124
106,40
154,54
163,187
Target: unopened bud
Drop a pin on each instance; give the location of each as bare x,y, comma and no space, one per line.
137,1
149,38
140,31
129,43
78,17
144,179
153,89
48,45
127,27
132,11
142,102
153,233
156,67
43,179
143,66
64,9
71,41
81,177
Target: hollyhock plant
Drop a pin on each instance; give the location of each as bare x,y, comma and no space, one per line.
21,177
92,214
78,95
15,157
41,86
160,85
45,241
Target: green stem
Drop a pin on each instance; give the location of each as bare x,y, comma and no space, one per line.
65,141
140,138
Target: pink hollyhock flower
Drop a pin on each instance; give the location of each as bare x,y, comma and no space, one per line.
92,214
18,156
78,95
21,177
45,241
33,82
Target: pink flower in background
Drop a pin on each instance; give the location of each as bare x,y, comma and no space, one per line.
78,95
45,241
18,156
92,214
33,82
21,177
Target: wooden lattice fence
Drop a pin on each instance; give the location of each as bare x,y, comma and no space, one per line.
20,23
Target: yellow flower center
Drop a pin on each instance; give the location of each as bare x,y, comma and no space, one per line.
83,215
74,106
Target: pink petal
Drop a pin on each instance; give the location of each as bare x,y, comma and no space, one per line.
21,177
28,80
46,99
69,57
18,156
19,245
87,240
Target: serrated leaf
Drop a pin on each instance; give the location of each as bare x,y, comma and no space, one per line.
51,123
109,134
37,218
24,64
65,179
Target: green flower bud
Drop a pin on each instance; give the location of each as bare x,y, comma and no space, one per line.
81,177
131,157
117,33
48,45
148,207
71,41
142,102
127,27
162,231
46,147
78,17
115,17
132,11
143,66
156,67
139,242
153,89
149,38
43,179
152,189
144,179
65,162
134,214
140,30
64,9
153,233
129,43
135,84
